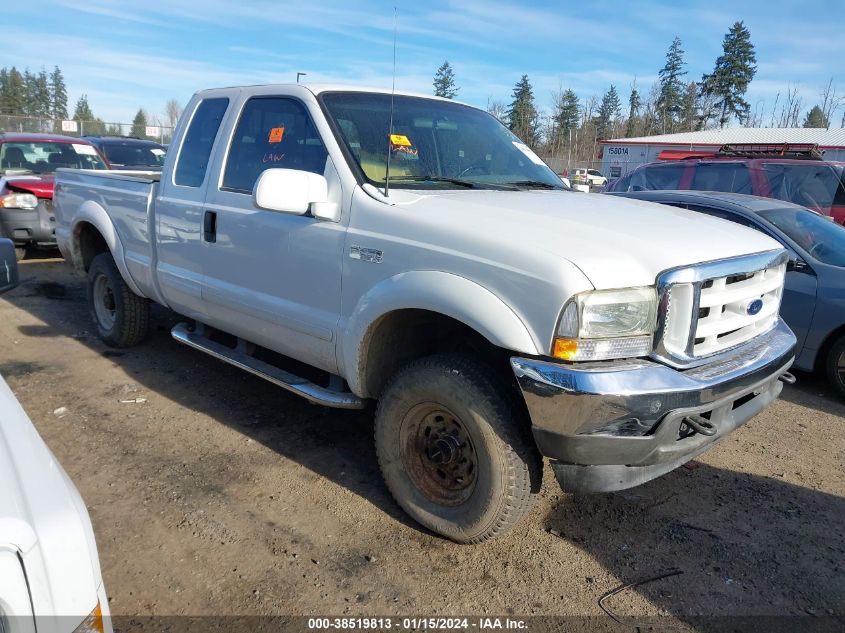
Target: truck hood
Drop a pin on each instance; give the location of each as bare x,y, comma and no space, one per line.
43,517
39,185
615,242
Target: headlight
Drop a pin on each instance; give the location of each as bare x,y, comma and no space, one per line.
18,201
605,324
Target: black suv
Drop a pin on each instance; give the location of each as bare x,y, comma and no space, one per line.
130,153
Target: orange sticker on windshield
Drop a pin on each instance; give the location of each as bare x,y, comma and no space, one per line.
400,140
276,135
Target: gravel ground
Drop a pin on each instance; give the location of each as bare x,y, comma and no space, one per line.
214,493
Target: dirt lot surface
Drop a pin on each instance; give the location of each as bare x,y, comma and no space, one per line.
213,492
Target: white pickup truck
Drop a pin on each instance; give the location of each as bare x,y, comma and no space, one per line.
411,250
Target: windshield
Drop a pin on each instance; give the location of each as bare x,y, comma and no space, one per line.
822,239
127,155
435,144
810,185
46,157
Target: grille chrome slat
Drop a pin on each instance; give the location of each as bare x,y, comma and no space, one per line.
711,308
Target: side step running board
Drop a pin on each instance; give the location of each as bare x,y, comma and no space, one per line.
295,384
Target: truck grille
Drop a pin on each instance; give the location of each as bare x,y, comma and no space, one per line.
714,307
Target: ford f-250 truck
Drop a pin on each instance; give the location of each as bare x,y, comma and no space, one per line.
411,250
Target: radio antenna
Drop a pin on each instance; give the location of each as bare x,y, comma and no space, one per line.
390,127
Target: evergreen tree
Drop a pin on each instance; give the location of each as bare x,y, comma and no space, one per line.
523,119
139,124
734,70
634,104
608,113
29,105
41,105
4,88
690,121
58,95
83,112
567,112
15,93
670,101
444,81
816,118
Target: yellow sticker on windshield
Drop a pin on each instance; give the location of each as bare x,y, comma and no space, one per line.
400,140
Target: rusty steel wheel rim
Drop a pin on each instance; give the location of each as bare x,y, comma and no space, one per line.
438,454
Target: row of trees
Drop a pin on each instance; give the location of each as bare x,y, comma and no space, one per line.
673,104
43,95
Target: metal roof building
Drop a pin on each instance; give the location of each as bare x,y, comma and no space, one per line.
621,155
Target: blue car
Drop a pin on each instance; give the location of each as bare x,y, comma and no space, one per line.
813,303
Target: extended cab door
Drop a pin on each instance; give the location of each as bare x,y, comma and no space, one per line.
269,277
179,208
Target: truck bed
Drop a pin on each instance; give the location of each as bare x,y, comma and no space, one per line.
121,199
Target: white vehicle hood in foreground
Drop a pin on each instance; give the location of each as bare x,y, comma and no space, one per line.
44,520
615,242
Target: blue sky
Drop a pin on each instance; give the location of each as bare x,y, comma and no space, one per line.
140,54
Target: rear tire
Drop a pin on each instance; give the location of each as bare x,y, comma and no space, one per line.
835,366
121,317
455,450
20,253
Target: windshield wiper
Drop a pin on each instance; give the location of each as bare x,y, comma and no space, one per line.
469,184
535,184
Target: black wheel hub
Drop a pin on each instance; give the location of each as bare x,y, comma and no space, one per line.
438,454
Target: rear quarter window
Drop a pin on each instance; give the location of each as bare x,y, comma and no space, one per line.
657,177
814,185
199,139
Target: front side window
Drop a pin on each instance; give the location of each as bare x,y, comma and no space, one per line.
272,132
822,239
815,185
199,139
434,144
727,176
45,158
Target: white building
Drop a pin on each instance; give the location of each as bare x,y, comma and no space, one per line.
621,155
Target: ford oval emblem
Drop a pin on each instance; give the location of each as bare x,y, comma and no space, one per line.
754,307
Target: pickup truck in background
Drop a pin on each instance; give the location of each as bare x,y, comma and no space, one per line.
411,250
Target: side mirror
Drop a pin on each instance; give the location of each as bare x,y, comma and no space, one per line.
294,191
8,265
796,264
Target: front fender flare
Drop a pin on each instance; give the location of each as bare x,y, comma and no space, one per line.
436,291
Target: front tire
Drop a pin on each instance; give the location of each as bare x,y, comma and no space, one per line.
455,450
20,253
121,317
835,366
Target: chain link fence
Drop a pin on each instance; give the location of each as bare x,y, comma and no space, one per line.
14,123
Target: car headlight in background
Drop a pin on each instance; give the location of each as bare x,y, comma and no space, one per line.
605,324
18,201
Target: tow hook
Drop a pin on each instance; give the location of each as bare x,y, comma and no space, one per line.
787,378
700,424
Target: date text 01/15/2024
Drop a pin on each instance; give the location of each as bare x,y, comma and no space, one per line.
416,624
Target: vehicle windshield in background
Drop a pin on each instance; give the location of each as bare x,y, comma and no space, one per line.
46,157
816,234
434,144
817,186
121,155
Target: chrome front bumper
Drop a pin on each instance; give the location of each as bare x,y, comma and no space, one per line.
610,426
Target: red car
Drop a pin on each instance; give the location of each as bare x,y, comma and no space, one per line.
786,172
27,166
